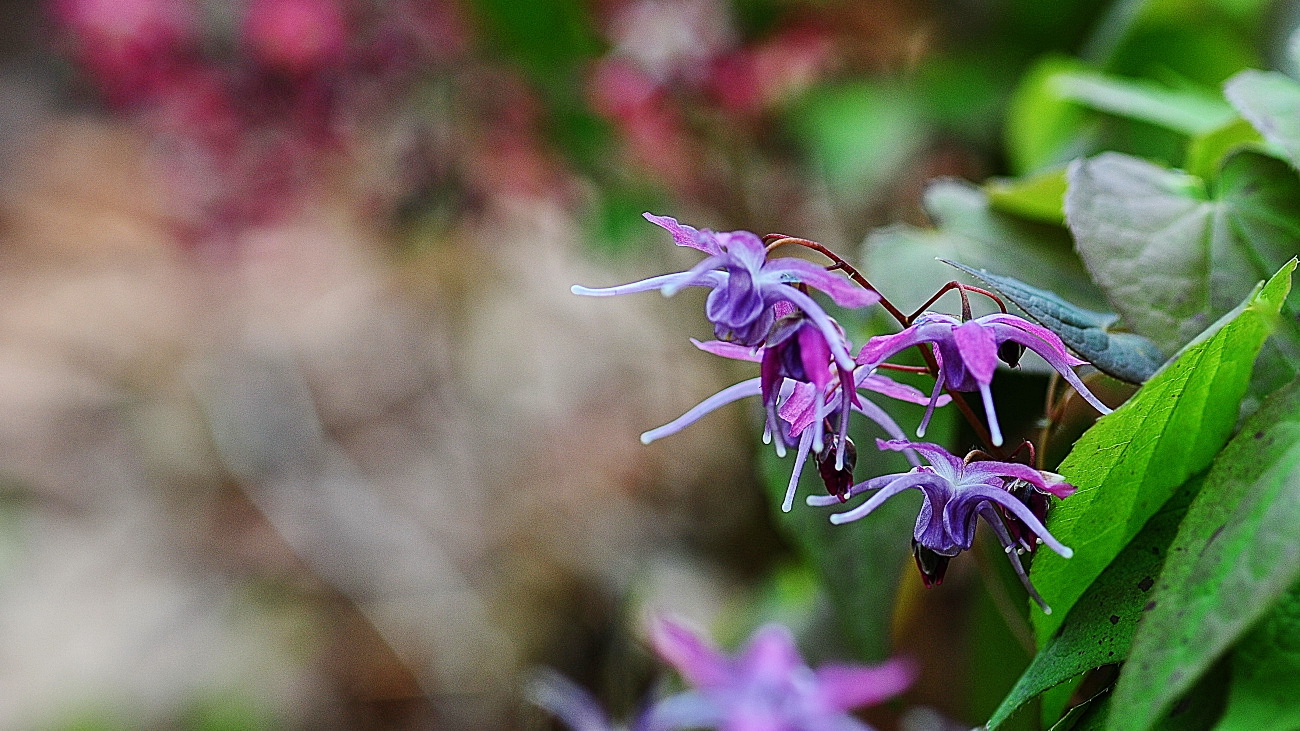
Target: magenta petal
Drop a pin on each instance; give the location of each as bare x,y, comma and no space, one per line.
979,351
1048,337
843,292
845,687
816,356
770,655
684,235
695,659
800,409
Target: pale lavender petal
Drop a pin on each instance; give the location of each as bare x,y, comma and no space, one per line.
704,272
1009,546
834,338
875,483
907,481
690,655
889,387
687,710
929,406
684,235
567,701
730,350
843,292
845,687
937,456
815,353
645,285
883,347
995,431
746,246
805,444
721,398
1021,511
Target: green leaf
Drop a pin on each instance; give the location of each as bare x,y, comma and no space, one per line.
1206,152
1129,463
1187,111
1266,672
1236,554
901,259
1100,627
1125,356
1172,256
1271,103
1044,129
1038,197
859,135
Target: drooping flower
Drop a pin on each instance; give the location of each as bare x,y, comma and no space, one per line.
580,711
748,286
956,491
800,410
968,353
769,687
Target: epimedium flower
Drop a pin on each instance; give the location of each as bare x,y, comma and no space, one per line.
748,286
799,412
968,353
767,686
956,491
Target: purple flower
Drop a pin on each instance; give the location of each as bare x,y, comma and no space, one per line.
748,287
769,687
580,711
800,410
968,353
956,491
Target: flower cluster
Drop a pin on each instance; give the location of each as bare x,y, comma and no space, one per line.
809,384
766,687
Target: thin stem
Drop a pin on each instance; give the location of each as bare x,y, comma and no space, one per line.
965,300
776,240
1049,409
969,414
995,583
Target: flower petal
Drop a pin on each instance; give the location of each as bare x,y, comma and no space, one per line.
887,386
567,701
721,398
1021,511
770,657
834,337
729,350
677,279
690,655
845,687
908,480
685,235
936,455
978,349
800,456
843,292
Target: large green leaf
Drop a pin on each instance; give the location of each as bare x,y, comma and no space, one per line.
1236,554
1271,103
1100,627
1129,463
1172,255
901,260
1266,673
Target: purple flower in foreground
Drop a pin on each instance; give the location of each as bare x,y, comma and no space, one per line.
747,286
768,687
800,410
956,491
967,353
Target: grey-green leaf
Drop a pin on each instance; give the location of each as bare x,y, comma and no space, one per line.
1171,254
1237,553
1126,356
1271,103
1266,673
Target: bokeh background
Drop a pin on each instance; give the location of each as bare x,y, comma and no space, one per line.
300,425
